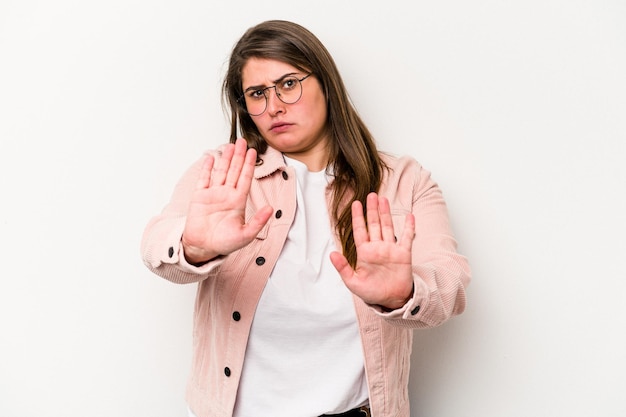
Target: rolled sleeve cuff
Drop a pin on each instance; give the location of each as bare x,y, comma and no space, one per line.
411,309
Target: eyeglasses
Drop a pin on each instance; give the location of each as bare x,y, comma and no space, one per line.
288,90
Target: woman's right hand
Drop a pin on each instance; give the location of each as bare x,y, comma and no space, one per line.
216,223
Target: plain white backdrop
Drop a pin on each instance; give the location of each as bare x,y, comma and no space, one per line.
517,107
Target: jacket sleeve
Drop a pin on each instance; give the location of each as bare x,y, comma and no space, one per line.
161,247
440,274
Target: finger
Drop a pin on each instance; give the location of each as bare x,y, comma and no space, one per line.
236,163
256,223
342,266
218,176
204,179
359,229
247,171
373,217
386,223
408,234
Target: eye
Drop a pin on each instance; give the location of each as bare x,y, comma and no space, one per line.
255,94
289,83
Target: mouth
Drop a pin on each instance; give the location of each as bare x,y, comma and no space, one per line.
279,127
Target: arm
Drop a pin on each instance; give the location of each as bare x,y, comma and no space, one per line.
205,219
420,280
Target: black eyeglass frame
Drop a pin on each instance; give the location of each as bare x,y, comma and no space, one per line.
242,99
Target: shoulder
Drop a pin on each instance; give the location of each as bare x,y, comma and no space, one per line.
404,176
215,152
401,165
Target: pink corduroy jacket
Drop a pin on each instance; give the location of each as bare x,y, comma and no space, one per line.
229,287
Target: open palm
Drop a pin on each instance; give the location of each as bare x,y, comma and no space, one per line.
383,271
216,223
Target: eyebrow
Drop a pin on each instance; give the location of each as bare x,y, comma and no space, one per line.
260,87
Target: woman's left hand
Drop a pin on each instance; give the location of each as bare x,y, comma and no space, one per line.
383,272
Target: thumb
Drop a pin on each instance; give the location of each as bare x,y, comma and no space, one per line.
341,265
258,221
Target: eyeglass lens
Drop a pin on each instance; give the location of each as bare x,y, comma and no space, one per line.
288,90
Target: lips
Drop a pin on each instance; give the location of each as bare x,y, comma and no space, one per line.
279,127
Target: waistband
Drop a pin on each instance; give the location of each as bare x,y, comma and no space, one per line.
355,412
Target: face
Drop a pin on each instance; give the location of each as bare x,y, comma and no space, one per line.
299,129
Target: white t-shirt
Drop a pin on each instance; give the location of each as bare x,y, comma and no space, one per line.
304,356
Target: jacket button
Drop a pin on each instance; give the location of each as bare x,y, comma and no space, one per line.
415,310
227,371
236,316
170,252
285,175
260,260
279,214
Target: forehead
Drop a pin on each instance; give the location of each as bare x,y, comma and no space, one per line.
257,71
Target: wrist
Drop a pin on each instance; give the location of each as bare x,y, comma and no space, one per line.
196,256
400,304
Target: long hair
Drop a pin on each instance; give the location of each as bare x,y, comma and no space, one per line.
353,158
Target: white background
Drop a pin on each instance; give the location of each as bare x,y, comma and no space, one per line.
517,107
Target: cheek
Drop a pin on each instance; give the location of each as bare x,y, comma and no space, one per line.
322,109
321,117
261,122
316,111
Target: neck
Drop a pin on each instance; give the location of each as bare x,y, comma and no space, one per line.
315,161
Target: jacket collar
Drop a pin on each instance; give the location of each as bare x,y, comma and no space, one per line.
268,163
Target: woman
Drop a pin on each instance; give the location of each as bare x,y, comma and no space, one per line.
315,254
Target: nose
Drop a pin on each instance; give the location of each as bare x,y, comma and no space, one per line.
274,104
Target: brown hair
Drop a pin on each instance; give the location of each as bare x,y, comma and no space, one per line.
353,157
